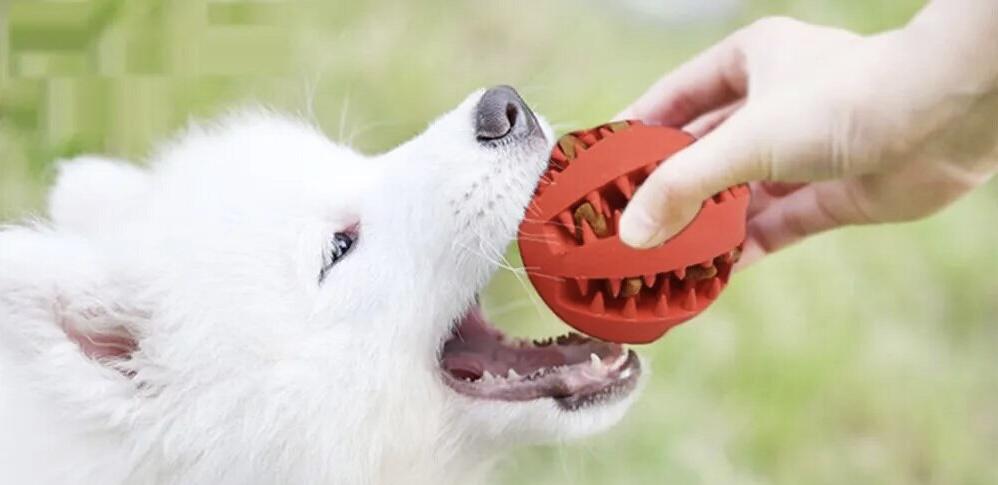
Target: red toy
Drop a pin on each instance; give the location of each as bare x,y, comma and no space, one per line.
592,280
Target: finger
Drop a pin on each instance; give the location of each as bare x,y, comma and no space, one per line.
810,210
764,193
705,124
751,253
779,227
672,195
709,81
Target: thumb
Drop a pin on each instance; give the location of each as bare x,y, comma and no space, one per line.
672,195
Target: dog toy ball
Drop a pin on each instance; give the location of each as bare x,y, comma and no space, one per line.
581,269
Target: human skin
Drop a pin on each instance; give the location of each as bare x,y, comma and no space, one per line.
830,128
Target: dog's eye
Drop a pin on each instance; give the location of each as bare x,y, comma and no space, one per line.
338,249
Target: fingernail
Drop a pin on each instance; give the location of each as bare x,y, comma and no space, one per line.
638,229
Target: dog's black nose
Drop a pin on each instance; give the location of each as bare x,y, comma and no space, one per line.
501,113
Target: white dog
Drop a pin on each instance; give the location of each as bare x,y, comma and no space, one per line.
264,306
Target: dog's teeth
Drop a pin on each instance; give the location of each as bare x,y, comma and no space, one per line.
488,377
512,375
595,362
543,343
619,362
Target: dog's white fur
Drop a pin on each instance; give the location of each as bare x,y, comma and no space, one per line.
247,369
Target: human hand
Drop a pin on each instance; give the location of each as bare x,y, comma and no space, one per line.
839,129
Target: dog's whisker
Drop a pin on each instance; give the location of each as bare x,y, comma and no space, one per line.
532,270
309,90
499,259
541,240
344,109
362,129
480,253
532,219
527,289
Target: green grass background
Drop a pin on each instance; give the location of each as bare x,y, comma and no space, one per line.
863,356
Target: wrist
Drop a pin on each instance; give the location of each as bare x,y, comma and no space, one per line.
960,37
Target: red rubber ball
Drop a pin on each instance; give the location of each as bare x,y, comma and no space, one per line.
581,269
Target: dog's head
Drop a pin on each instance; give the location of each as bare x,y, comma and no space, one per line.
285,280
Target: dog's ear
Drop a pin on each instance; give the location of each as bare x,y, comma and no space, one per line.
55,290
91,192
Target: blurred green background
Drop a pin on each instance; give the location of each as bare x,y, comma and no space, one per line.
863,356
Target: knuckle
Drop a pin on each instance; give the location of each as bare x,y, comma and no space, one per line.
773,24
764,34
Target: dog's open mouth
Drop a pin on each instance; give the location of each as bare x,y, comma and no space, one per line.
479,361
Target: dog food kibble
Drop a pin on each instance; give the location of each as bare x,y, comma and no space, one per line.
697,272
586,212
567,145
630,287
